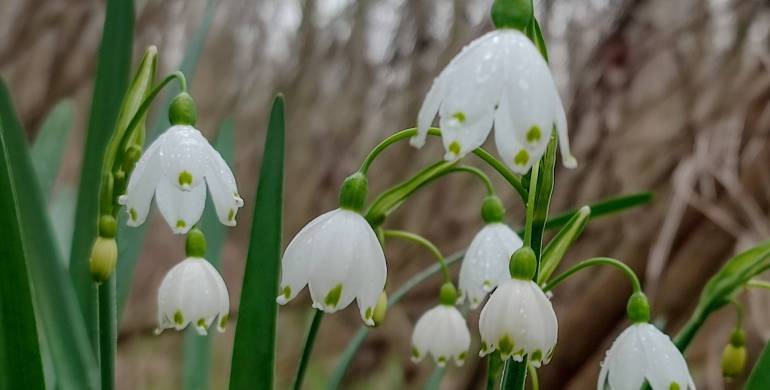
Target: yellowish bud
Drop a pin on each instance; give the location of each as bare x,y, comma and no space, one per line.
381,309
733,360
104,257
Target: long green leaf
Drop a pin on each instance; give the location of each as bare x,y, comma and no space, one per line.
759,379
605,207
112,73
132,238
434,381
48,148
197,349
55,302
254,346
557,248
21,366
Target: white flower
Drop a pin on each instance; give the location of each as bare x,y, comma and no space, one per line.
443,333
500,77
643,353
339,256
174,168
518,320
486,261
192,292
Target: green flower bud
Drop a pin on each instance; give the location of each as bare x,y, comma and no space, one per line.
380,309
511,14
353,192
523,264
492,209
131,156
733,360
104,257
182,110
195,246
448,294
108,226
638,308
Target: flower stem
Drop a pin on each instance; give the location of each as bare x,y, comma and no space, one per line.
420,240
533,378
594,262
756,283
307,350
479,152
107,333
531,205
478,173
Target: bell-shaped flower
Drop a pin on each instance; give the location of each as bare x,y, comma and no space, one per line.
192,292
499,78
518,320
339,256
443,333
642,354
174,169
486,261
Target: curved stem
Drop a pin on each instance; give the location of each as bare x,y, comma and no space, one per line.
756,283
478,173
637,287
307,349
738,313
480,152
420,240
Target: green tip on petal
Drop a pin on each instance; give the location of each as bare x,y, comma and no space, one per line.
505,345
415,352
521,158
534,134
185,178
674,386
454,147
537,355
333,297
459,116
178,318
286,292
223,321
132,214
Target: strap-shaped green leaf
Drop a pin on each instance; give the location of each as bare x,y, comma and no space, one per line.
55,303
254,345
20,364
558,246
759,379
112,74
48,148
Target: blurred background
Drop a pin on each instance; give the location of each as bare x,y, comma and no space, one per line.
667,96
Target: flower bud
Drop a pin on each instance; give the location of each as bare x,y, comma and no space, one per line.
492,209
734,355
511,14
182,110
353,192
523,264
104,257
381,309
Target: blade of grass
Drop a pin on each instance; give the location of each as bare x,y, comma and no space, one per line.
112,74
48,148
132,238
21,366
434,381
197,349
254,346
307,350
54,298
605,207
759,378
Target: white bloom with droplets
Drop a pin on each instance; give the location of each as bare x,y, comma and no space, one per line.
486,261
499,78
519,320
174,169
192,292
340,258
644,353
442,333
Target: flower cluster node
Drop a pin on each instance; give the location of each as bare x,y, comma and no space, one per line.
195,245
448,294
511,14
108,226
523,264
182,110
492,210
353,192
638,308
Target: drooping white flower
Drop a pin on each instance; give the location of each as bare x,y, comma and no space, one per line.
644,353
174,169
443,333
518,320
499,78
339,256
192,292
486,261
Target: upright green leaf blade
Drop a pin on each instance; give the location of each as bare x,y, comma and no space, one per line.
254,346
112,74
21,366
558,246
759,379
55,303
197,349
48,148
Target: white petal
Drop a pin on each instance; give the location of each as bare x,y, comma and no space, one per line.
296,260
486,261
369,281
625,361
141,185
666,365
461,136
568,159
223,189
514,154
180,209
601,384
183,156
427,112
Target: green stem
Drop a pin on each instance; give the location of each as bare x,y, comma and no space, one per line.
420,240
756,283
480,152
307,350
478,173
107,333
533,377
531,205
637,287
